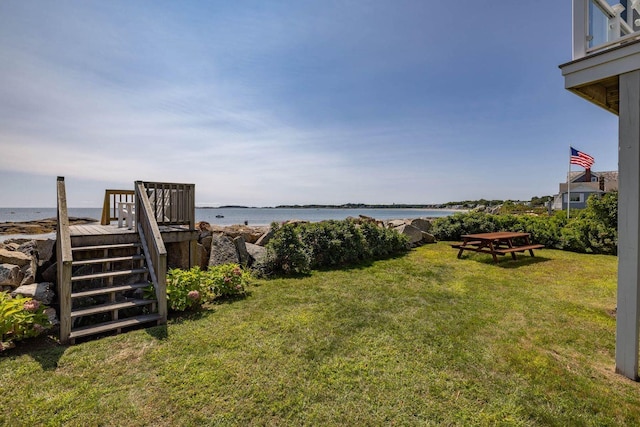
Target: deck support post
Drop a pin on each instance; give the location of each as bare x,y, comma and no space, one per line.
628,314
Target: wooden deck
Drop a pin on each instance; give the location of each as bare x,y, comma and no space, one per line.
95,233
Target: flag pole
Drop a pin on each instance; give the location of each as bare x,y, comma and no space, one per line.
569,185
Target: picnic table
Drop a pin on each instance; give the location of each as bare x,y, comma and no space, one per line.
497,243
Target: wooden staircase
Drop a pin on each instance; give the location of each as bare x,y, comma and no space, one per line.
107,290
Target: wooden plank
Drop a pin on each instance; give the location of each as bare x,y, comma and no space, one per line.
105,308
109,274
114,325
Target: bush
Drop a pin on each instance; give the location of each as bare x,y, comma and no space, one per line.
591,230
226,280
20,318
297,248
286,253
185,289
189,289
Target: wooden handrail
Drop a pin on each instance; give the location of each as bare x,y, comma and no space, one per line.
64,258
172,203
153,247
109,206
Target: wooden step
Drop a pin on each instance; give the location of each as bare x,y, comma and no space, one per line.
113,325
105,308
105,260
100,247
108,290
110,274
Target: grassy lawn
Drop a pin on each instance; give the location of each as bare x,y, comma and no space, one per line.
424,339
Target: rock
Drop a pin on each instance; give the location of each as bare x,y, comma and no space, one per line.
46,251
428,238
415,235
393,223
421,224
257,253
202,256
51,315
10,275
50,274
250,234
14,257
241,247
206,243
223,251
265,238
29,273
11,246
42,292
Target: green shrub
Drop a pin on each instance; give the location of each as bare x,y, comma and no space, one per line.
189,289
185,289
297,248
20,318
226,280
286,252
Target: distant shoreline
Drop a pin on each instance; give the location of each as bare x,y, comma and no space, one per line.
343,206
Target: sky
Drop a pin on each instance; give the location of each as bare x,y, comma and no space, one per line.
262,103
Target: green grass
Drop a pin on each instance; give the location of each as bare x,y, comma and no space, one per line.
424,339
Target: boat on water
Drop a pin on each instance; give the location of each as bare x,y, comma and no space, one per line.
219,216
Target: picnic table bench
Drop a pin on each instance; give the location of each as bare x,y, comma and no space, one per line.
497,243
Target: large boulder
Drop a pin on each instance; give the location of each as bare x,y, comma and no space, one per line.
41,249
206,242
257,253
265,238
50,274
10,275
202,256
223,251
395,223
415,235
422,224
42,292
428,238
14,257
241,247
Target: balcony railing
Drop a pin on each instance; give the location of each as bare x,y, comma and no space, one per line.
600,24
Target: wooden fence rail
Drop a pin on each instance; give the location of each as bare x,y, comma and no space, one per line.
110,204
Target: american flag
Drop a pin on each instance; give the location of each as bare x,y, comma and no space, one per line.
581,159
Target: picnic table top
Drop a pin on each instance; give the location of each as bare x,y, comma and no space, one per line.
496,235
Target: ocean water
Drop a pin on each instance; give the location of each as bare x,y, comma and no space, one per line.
230,216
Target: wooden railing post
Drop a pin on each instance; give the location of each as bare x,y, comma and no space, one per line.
64,258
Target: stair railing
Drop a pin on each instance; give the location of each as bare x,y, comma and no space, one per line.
153,246
110,204
64,259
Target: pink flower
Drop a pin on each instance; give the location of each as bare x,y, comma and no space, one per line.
237,271
227,279
31,305
193,295
239,287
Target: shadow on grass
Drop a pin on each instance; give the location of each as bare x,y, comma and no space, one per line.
45,349
179,317
504,262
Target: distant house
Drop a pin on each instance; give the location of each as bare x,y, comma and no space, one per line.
583,185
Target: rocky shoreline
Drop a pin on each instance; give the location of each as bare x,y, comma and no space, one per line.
40,226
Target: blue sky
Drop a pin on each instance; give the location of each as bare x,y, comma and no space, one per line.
281,102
